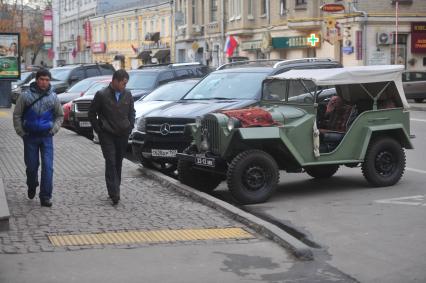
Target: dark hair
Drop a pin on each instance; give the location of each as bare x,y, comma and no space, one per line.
43,73
120,75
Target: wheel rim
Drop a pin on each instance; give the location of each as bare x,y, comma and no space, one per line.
254,178
385,163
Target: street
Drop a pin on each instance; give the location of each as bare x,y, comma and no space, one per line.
371,234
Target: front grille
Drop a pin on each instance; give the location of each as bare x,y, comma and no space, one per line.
167,127
211,126
82,106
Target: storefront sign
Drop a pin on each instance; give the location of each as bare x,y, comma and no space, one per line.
156,45
251,45
88,33
98,47
348,50
418,37
10,67
332,8
48,26
378,57
297,41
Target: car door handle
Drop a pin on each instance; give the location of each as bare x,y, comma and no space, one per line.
378,120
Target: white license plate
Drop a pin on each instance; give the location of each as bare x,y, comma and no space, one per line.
164,152
204,161
84,124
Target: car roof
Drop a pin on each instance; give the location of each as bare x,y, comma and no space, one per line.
266,70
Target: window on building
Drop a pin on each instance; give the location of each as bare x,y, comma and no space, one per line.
300,2
283,7
152,26
122,30
263,7
136,29
231,9
213,10
129,30
250,7
194,12
202,12
163,27
237,8
145,27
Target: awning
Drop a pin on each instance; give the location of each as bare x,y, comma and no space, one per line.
161,54
119,57
144,55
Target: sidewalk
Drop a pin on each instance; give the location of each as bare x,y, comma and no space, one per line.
81,206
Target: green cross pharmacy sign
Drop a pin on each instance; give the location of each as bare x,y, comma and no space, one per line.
311,41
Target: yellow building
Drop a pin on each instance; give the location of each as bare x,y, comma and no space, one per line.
132,37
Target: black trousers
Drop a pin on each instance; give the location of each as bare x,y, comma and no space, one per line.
113,149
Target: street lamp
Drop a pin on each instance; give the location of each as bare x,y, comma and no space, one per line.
396,31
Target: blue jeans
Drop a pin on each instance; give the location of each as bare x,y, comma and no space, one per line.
33,146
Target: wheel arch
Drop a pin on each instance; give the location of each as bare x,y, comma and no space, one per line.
399,134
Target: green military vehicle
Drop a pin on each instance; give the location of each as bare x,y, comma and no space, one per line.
309,121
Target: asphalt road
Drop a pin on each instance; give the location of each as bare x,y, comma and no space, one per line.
371,234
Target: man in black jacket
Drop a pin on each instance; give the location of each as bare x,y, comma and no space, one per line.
112,116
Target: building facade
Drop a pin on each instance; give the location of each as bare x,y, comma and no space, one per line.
134,36
72,36
352,32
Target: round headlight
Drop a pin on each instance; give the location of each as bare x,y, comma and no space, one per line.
233,123
141,124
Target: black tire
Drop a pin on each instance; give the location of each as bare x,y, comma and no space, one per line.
418,100
252,176
201,180
322,171
384,162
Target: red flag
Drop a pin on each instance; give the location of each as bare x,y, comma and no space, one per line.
230,45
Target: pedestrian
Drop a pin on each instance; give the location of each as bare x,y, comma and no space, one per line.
112,116
37,117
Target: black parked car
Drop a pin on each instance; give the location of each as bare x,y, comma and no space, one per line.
66,76
159,135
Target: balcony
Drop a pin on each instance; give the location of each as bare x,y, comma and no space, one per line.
212,28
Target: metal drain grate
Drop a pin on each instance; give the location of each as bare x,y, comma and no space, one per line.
148,236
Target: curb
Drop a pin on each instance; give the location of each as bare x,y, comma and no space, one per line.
270,231
4,209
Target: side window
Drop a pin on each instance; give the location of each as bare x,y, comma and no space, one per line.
182,74
106,69
77,75
165,77
92,72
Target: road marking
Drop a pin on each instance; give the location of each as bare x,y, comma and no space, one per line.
410,200
417,120
416,170
127,237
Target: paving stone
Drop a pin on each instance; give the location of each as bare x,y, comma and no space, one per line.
80,201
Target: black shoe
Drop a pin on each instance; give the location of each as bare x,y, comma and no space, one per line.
31,192
115,200
46,202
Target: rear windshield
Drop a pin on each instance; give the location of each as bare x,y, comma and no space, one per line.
60,74
81,86
95,88
228,86
141,80
170,91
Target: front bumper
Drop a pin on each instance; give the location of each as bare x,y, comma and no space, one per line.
204,161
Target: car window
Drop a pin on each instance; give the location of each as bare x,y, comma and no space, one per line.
60,74
95,88
92,72
141,80
228,86
78,73
170,91
106,69
81,86
24,77
165,77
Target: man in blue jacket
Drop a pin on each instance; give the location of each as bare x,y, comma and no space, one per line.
38,115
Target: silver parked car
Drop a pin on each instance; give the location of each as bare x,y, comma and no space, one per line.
414,84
